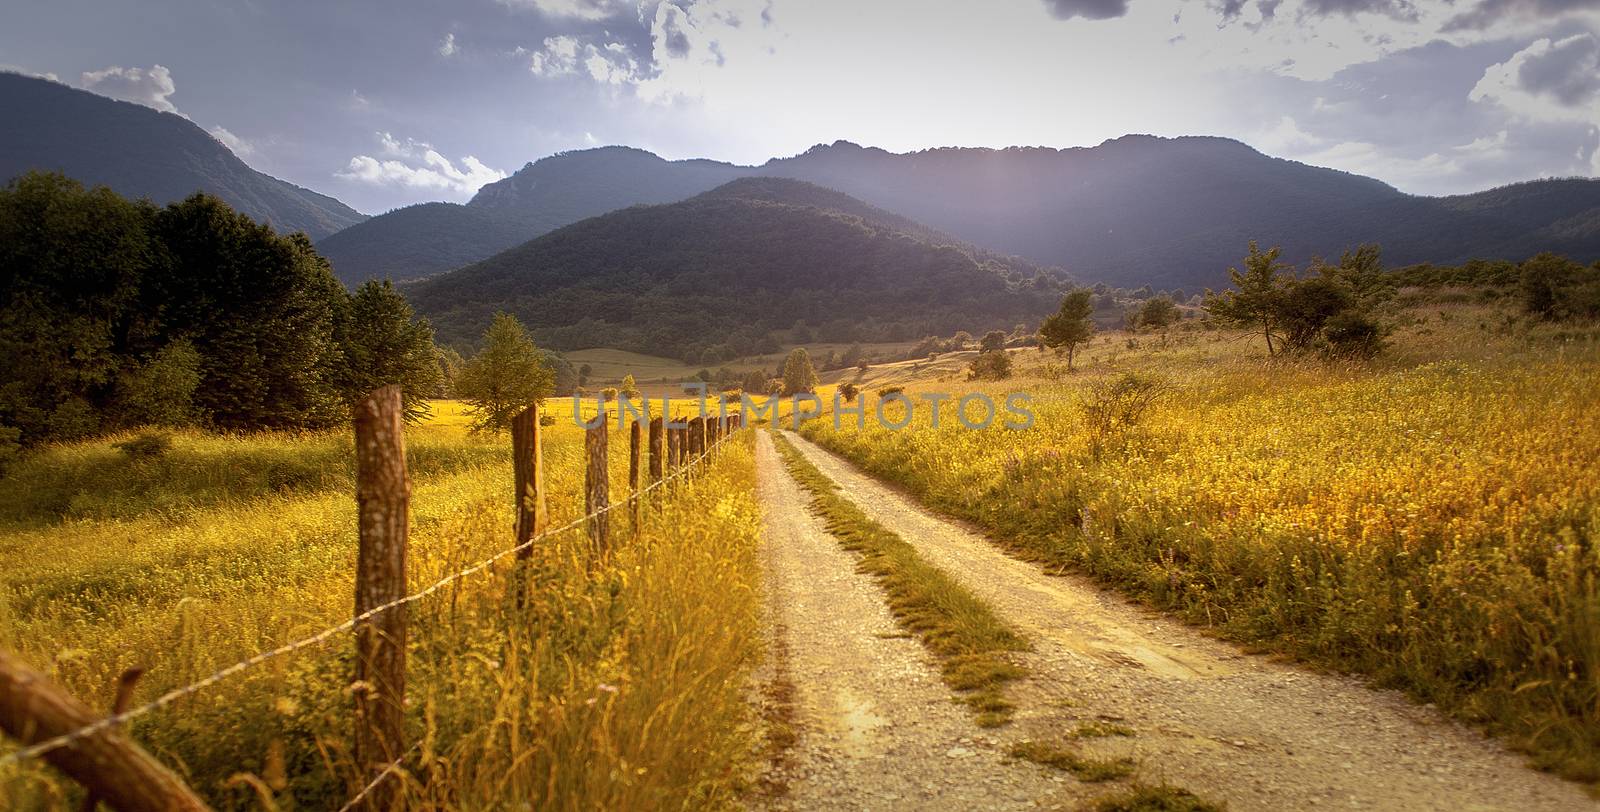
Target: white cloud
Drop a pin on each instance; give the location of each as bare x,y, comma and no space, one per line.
448,47
150,87
234,143
575,9
9,68
608,64
1547,81
417,165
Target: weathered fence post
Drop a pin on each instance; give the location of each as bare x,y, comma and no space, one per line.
633,471
383,497
597,485
107,763
655,450
527,464
672,448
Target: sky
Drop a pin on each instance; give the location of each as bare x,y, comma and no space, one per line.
383,103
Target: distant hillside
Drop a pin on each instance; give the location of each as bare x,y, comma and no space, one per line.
731,265
140,152
1171,212
417,241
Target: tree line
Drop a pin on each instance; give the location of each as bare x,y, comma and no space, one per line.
118,313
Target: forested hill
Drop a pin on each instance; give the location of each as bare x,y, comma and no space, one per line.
1171,212
144,153
731,265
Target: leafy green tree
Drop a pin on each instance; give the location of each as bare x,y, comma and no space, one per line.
506,377
630,389
754,382
1304,307
1257,299
1071,324
385,343
798,374
450,363
848,391
1158,313
992,341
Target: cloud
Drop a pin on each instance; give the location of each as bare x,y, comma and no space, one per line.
448,48
1547,81
238,146
1398,9
150,87
1488,12
607,64
8,68
575,9
417,165
1087,9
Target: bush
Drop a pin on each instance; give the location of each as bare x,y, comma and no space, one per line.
1352,335
849,391
1112,407
886,391
990,366
147,446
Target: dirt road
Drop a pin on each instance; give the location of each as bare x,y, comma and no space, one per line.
878,730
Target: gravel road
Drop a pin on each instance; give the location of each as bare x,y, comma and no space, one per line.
878,730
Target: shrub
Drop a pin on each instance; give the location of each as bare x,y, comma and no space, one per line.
146,446
886,391
848,391
990,366
1112,407
1352,335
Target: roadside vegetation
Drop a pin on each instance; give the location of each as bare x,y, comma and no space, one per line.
200,550
1424,513
969,640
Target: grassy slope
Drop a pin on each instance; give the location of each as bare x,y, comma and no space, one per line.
227,546
1429,520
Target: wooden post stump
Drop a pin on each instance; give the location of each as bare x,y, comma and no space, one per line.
597,487
633,471
655,451
527,461
383,497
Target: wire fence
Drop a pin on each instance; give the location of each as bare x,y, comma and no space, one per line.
173,695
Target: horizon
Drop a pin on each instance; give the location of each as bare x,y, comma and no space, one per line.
383,107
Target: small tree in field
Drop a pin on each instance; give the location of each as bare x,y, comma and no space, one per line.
1158,313
798,374
630,389
386,343
1071,325
848,391
508,376
990,366
1258,299
992,341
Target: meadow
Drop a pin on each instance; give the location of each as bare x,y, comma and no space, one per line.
1427,519
190,558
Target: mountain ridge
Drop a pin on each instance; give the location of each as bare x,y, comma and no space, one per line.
1134,210
144,153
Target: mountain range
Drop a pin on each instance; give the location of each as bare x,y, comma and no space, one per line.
1170,212
145,153
710,277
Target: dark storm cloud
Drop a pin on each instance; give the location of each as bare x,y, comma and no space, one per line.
1228,9
1487,12
1087,9
1569,71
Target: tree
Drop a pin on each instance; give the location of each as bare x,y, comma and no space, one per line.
754,382
990,366
1258,296
992,341
506,377
960,340
798,374
1158,313
848,391
384,343
450,363
1070,325
629,388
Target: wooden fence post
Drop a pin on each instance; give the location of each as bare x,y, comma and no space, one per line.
383,497
527,463
107,763
655,450
633,471
597,485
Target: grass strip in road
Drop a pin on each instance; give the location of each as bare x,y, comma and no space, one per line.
1155,798
970,641
1087,770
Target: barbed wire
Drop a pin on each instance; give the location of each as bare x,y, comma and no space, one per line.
173,695
373,784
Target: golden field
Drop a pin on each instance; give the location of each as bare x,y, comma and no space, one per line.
1429,519
220,547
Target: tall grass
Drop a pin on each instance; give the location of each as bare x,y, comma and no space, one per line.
620,681
1430,520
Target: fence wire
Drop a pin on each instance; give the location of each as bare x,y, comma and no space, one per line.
40,748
